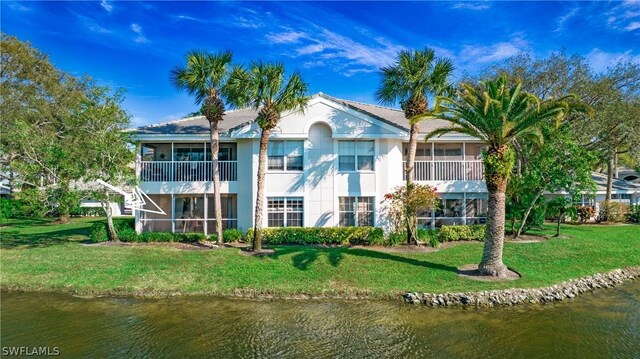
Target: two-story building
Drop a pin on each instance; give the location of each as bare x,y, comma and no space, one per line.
329,166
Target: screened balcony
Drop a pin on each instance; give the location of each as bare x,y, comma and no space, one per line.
175,162
447,162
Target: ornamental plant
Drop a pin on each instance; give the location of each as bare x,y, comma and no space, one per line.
403,205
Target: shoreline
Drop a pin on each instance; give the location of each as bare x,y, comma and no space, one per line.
516,296
489,298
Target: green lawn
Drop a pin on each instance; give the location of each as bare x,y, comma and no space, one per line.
36,255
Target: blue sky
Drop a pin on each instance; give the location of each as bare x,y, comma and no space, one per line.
338,46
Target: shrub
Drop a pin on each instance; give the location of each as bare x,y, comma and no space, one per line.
190,237
156,237
321,235
633,215
612,212
127,234
98,232
461,233
232,235
585,213
395,238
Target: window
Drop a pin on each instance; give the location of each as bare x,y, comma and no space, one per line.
448,151
285,155
148,153
229,211
226,152
285,211
423,152
355,155
356,211
189,152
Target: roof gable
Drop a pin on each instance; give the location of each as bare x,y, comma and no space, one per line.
345,122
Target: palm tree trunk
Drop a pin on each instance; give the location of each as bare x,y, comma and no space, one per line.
526,214
491,263
217,202
262,167
409,169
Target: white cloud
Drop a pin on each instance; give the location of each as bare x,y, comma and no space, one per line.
18,7
140,38
286,37
560,21
105,5
185,17
92,25
496,52
474,6
310,49
625,16
341,53
249,21
601,60
633,26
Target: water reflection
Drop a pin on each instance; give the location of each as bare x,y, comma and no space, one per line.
602,324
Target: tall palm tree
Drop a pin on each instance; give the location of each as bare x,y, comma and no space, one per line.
497,114
415,76
265,88
203,76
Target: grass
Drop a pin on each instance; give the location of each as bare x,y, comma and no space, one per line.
39,256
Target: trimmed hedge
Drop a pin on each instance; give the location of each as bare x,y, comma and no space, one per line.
321,235
475,232
126,233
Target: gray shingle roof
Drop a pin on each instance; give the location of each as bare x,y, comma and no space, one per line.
618,184
237,118
199,125
392,116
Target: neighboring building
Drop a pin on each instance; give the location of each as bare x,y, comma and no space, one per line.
329,166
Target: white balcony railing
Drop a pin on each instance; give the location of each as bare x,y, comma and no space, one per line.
447,171
192,171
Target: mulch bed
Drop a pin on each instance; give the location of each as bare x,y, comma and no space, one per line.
177,245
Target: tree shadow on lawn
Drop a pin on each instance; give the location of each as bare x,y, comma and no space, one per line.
13,239
307,255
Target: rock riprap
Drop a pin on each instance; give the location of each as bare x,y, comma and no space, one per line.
554,293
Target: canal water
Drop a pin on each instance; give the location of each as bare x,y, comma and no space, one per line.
602,324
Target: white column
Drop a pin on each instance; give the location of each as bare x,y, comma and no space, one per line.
173,210
464,161
464,207
433,163
172,169
206,214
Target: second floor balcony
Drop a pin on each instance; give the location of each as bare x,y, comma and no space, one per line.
190,171
447,171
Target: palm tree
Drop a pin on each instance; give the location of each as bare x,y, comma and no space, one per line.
414,77
203,77
498,114
265,88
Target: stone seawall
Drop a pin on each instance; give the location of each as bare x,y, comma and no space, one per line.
554,293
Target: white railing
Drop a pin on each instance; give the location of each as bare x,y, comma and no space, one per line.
191,171
447,171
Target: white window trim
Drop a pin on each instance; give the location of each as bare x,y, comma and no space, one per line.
355,210
285,169
356,170
284,210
